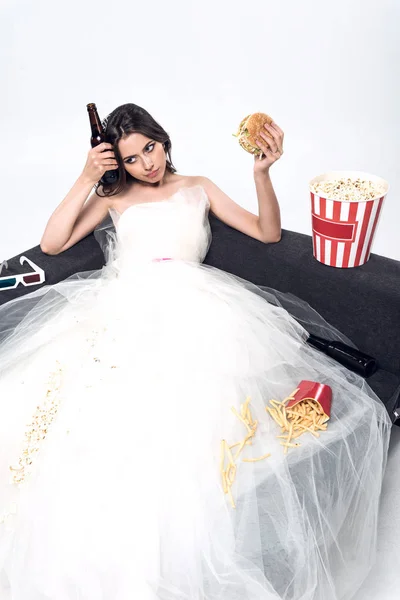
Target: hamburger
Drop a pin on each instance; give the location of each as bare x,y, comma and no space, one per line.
249,130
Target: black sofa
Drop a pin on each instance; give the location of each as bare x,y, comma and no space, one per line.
362,302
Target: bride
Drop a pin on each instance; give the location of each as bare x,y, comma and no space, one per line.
117,387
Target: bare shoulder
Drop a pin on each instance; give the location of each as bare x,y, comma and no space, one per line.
116,199
189,180
211,189
206,183
229,210
200,180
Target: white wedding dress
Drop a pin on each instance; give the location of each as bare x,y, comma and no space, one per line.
116,388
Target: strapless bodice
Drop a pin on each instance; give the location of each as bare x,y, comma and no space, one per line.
176,227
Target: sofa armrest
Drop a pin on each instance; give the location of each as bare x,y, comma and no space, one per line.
86,255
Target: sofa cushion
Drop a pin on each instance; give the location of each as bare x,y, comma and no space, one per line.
362,302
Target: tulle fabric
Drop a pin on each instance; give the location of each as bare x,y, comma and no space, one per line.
124,496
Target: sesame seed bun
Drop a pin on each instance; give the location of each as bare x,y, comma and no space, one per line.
249,130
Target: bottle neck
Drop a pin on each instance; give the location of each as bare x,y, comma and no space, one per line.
95,123
317,342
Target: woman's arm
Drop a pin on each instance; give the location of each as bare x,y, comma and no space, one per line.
265,228
73,220
269,220
270,141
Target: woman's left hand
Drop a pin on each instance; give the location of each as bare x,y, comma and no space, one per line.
272,148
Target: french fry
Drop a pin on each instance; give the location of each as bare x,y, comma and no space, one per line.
322,427
249,417
234,445
246,405
310,430
231,474
256,459
224,484
274,415
235,412
242,445
228,451
291,396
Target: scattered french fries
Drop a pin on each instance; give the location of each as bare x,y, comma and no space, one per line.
306,415
228,471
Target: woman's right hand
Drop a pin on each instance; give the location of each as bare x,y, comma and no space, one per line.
100,159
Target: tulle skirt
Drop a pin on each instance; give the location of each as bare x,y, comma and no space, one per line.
115,394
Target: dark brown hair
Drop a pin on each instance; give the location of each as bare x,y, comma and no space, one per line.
121,122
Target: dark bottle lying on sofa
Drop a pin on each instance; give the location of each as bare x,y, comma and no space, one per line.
353,359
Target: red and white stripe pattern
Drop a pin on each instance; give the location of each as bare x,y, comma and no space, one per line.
343,231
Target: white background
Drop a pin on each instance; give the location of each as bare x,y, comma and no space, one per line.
327,72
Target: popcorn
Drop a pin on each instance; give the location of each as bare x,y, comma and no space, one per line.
37,430
352,190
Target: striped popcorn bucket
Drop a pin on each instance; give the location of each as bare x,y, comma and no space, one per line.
343,230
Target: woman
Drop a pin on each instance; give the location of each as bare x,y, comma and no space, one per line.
116,389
